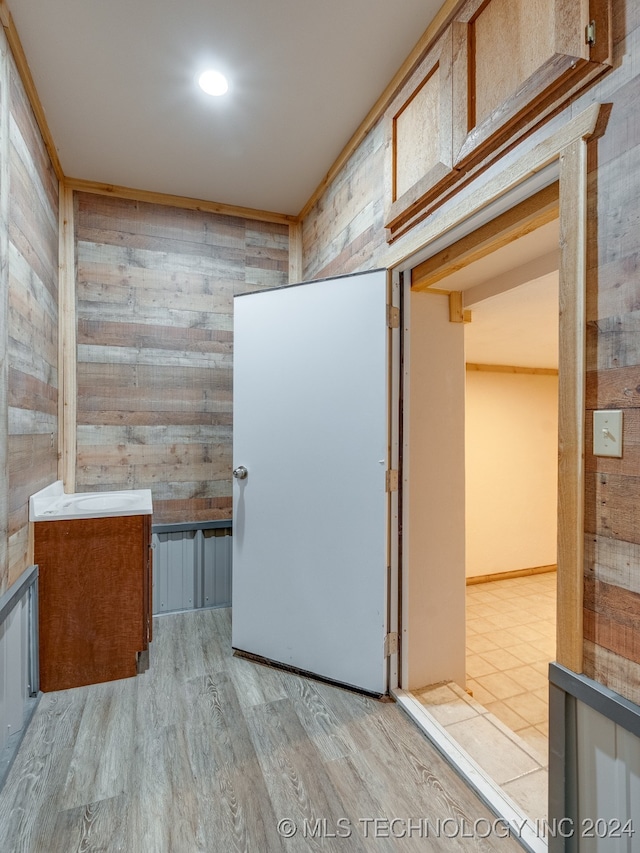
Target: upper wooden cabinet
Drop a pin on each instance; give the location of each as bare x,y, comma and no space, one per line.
499,69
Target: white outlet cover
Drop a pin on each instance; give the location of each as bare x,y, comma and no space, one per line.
607,433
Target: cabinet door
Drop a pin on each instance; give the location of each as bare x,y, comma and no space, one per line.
91,599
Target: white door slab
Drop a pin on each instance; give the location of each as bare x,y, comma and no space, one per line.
311,517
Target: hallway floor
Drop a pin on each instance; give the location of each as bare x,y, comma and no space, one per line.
211,752
504,727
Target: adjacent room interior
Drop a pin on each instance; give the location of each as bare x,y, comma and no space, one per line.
499,715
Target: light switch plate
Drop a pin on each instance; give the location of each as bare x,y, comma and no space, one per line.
607,433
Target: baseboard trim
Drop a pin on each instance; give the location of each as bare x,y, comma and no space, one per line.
517,573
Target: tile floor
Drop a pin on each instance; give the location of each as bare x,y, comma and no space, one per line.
511,637
504,727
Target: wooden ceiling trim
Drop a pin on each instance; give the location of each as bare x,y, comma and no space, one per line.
184,202
27,81
442,19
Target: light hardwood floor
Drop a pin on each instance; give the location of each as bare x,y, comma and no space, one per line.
210,752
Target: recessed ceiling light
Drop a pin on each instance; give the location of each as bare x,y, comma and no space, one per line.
213,82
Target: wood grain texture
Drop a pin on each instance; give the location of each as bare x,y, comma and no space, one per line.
155,288
510,42
571,404
28,333
532,213
4,312
67,350
207,751
338,240
92,582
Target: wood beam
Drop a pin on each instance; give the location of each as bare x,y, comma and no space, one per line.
525,217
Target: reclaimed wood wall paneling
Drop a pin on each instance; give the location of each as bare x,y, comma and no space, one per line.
29,237
339,241
155,291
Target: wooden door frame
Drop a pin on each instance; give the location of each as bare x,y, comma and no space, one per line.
566,147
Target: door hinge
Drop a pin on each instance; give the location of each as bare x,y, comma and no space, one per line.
391,644
392,480
590,33
393,317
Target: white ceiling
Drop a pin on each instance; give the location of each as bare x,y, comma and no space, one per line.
116,79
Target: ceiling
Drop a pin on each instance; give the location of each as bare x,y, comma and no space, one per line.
117,83
513,297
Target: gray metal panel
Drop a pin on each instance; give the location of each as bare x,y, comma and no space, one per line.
216,570
602,699
192,568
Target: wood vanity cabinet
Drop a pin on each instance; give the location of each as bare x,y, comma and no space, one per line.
94,599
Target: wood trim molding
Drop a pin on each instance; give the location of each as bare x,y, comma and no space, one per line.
295,252
513,173
27,81
532,213
571,410
443,17
67,378
508,368
184,202
516,573
568,146
4,317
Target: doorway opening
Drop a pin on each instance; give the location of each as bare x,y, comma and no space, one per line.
499,713
495,486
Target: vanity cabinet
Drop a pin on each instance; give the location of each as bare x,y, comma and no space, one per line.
94,599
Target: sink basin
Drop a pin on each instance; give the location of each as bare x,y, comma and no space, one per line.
51,504
104,502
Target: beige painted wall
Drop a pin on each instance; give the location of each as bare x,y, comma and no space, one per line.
511,471
433,642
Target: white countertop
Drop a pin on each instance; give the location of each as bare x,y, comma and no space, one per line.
52,504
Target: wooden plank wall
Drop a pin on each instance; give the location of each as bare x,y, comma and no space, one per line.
343,233
30,291
344,230
155,287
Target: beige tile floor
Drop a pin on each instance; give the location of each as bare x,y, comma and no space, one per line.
511,637
504,727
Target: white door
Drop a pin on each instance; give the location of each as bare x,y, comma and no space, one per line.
310,517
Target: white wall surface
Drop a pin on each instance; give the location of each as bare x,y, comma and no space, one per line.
433,471
511,471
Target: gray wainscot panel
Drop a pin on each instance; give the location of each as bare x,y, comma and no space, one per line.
191,566
18,664
594,767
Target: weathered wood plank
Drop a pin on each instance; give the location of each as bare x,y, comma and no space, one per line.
612,508
612,561
28,128
145,335
167,511
27,392
4,311
618,388
32,465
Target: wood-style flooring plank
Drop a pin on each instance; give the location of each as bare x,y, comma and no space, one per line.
92,828
226,770
299,786
209,752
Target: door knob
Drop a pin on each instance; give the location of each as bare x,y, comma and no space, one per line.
240,473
